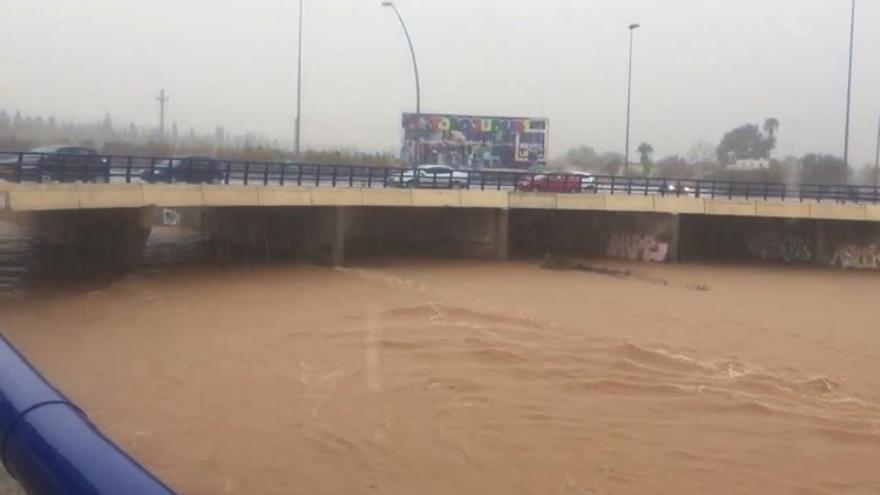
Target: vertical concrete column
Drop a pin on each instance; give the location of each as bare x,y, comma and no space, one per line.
339,218
674,239
502,234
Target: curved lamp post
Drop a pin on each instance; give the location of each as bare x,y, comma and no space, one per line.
852,39
632,29
418,84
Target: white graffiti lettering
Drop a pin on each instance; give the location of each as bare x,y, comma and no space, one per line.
854,257
637,248
789,249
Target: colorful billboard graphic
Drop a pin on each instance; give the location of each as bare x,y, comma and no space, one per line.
476,142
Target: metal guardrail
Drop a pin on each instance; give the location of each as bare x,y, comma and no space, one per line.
41,167
49,446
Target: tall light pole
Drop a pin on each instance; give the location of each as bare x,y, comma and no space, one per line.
632,30
852,39
162,99
877,158
299,70
412,51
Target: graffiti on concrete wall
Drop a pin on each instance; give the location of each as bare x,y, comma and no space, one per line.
170,217
637,248
788,249
850,256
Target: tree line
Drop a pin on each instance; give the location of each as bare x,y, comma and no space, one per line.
746,143
24,132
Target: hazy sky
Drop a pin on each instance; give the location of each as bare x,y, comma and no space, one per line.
701,66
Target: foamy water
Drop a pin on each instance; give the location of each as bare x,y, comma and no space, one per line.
469,377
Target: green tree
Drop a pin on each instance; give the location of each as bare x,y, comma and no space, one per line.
645,150
823,169
771,125
675,167
582,157
744,142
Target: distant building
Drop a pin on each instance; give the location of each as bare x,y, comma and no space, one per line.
750,164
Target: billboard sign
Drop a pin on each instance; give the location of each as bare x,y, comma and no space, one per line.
476,141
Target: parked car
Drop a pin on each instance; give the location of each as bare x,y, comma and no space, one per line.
63,163
188,169
557,183
430,176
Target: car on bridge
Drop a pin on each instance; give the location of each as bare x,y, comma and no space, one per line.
187,169
573,182
62,163
430,177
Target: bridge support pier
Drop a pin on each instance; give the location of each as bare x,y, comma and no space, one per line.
91,243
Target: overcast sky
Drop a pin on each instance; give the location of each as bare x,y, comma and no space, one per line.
701,66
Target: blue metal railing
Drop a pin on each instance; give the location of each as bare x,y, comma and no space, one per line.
49,445
47,167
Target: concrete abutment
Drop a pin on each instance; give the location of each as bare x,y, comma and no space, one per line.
90,244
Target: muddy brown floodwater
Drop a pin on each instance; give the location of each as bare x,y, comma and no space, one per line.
460,377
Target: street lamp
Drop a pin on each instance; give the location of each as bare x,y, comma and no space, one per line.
877,160
632,29
296,143
418,85
852,38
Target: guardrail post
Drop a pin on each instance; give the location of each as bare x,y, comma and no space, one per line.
697,192
317,175
613,180
351,176
299,174
247,172
265,174
128,161
63,173
281,179
333,177
765,191
629,186
18,167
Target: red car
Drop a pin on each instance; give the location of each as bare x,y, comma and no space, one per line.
555,183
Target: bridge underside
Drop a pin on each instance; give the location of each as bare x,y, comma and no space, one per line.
110,241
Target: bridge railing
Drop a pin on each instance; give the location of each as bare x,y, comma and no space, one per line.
44,167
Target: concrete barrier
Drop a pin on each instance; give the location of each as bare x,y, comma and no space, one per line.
44,197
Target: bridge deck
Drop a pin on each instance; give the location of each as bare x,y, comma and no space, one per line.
43,197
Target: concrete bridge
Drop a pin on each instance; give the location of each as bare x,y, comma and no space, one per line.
109,223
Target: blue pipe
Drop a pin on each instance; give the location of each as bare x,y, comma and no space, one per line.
49,445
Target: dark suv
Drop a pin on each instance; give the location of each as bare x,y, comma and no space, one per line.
64,163
188,169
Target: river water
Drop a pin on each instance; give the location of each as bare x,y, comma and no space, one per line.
448,377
